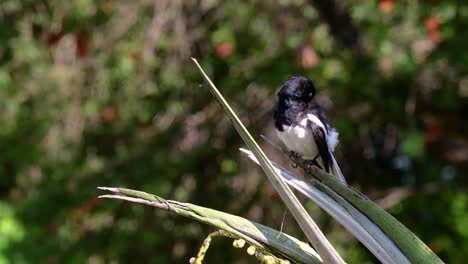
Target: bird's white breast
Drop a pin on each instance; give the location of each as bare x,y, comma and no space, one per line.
299,138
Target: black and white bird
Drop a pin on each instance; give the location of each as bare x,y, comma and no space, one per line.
302,126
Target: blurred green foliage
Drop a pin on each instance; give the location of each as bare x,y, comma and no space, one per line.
103,93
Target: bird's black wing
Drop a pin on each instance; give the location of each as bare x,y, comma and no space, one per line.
322,145
316,109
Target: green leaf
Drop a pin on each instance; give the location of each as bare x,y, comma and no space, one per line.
262,237
409,243
308,226
359,225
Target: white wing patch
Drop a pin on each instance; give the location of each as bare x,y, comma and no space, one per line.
332,139
312,118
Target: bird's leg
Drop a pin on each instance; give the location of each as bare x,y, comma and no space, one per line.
313,162
293,156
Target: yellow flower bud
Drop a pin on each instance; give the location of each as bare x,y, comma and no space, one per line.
251,250
238,243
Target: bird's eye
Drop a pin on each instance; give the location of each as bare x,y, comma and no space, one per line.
310,94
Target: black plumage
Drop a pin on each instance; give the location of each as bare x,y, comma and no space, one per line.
322,145
294,100
302,125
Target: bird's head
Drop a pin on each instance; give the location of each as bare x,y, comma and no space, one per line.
300,89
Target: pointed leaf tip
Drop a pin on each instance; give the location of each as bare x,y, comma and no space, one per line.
111,189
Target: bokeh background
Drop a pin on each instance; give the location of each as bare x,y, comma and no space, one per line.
103,93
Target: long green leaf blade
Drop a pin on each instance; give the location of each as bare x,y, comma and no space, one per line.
367,232
407,241
308,226
262,237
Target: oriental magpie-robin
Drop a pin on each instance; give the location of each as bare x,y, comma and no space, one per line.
302,126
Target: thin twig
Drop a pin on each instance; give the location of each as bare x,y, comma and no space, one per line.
206,245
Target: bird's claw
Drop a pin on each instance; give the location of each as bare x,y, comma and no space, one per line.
293,156
310,163
308,166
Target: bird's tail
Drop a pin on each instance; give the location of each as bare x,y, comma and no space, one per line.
335,170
